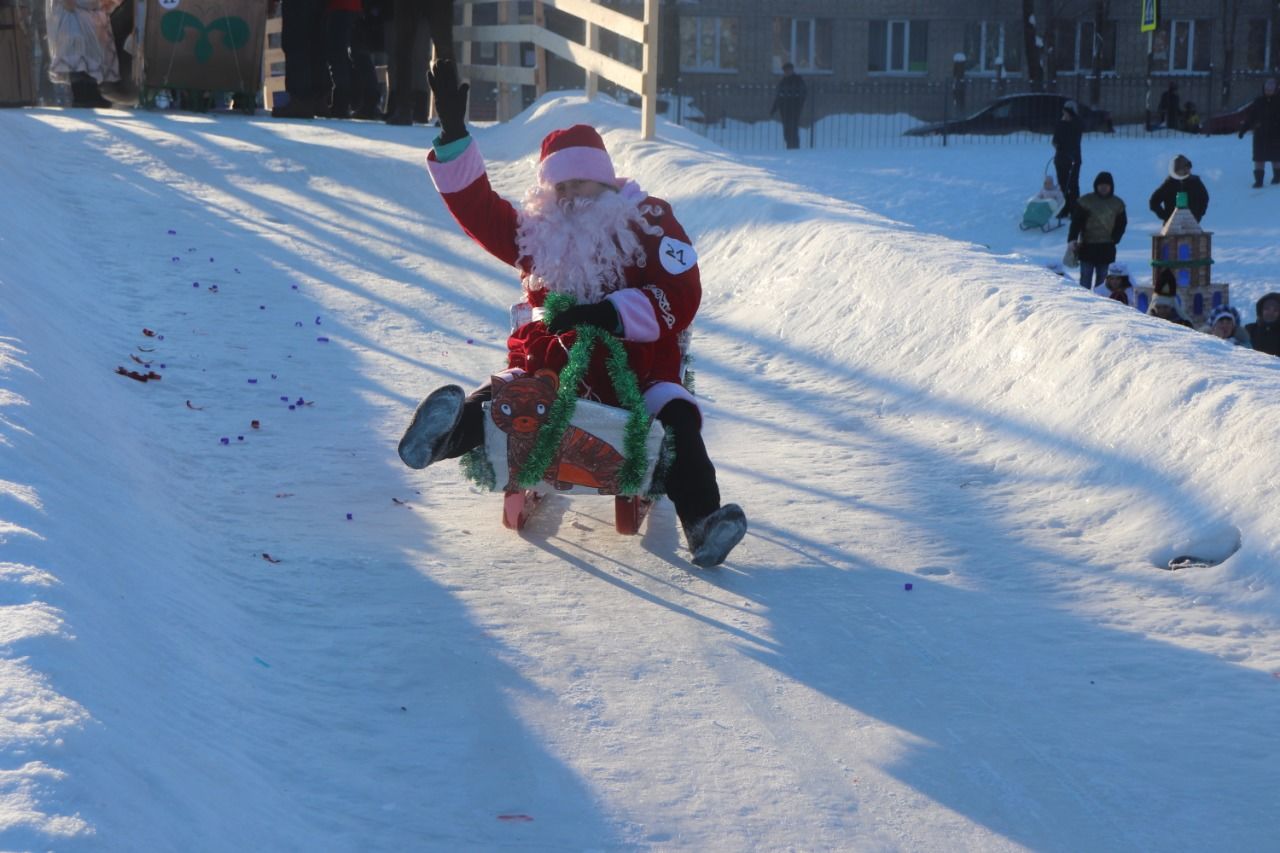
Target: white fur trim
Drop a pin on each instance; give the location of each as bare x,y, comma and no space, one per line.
659,394
581,164
459,173
639,323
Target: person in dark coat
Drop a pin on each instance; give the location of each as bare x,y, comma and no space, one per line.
407,100
1170,107
1097,225
306,66
1264,333
1067,157
1263,117
788,102
1164,200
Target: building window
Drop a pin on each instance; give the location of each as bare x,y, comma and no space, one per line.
708,44
804,42
898,46
1076,42
1257,52
990,45
1182,45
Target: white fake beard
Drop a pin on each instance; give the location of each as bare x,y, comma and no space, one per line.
581,246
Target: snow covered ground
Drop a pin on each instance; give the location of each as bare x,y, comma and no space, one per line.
948,628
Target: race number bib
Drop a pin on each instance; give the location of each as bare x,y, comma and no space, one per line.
676,256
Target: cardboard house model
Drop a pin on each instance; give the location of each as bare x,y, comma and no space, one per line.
1187,249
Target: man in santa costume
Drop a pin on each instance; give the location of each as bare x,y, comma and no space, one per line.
626,260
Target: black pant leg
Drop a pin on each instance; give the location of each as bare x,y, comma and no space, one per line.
691,479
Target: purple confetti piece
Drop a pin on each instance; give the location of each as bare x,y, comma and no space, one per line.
160,338
298,324
907,587
171,231
301,401
195,284
162,366
322,339
225,440
292,407
253,382
294,286
470,341
273,376
237,269
262,308
284,399
239,438
213,288
348,516
211,260
317,320
176,259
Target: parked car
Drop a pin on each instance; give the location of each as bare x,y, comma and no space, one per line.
1036,112
1226,122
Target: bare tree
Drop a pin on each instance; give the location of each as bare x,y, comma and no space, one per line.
1031,46
1101,9
1230,17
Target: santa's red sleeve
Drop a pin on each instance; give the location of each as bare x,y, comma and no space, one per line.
664,300
485,216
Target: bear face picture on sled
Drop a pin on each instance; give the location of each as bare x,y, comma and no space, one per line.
593,395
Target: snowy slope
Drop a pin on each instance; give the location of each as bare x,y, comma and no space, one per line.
890,407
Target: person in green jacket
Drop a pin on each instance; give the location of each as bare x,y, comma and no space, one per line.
1097,224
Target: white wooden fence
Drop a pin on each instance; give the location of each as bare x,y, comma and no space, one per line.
508,34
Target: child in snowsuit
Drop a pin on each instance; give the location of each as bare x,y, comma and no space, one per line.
1264,333
1117,284
624,257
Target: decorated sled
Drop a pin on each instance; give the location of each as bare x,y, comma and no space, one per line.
541,438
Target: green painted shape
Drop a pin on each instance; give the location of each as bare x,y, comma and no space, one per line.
235,32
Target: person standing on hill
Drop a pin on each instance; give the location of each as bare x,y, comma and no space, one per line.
788,103
1164,201
1097,224
1170,107
1067,158
1263,117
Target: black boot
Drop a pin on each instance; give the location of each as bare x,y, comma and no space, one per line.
341,106
712,538
298,106
399,110
85,93
1257,178
427,438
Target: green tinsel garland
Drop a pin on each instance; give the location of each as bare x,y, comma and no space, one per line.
624,385
477,468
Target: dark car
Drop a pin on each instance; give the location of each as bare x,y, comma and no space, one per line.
1033,112
1226,122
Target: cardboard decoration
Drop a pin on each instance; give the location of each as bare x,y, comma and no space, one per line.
590,454
213,45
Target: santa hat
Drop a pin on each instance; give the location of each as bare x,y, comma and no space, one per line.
575,153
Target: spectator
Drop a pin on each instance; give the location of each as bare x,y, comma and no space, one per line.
788,102
1097,225
407,101
1190,118
366,40
583,232
1117,285
82,48
1067,156
1164,200
1165,302
1170,107
1263,117
339,24
1264,333
1224,323
306,67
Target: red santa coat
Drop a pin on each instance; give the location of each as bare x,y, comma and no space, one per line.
657,302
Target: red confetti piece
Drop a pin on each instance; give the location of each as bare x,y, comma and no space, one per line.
141,377
139,361
269,558
515,818
254,424
148,333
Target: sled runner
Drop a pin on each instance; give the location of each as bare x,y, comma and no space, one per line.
539,438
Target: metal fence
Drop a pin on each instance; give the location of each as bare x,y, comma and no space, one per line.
877,112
